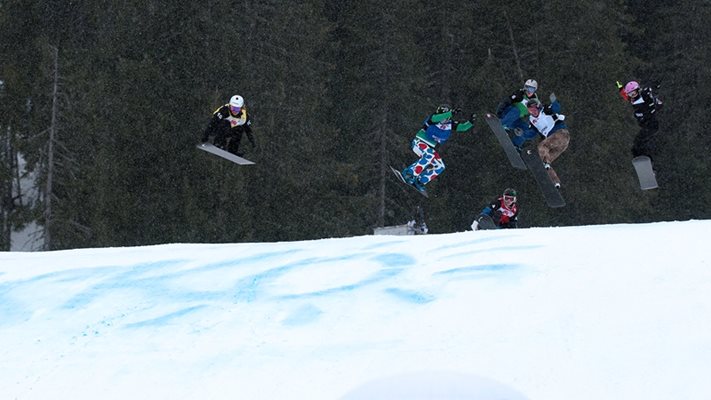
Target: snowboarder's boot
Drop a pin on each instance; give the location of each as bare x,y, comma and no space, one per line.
418,185
408,176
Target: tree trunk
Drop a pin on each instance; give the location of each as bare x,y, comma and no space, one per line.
383,170
50,155
6,196
513,45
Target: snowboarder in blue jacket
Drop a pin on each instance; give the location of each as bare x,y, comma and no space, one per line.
436,130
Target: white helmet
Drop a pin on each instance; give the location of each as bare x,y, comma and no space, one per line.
237,101
531,83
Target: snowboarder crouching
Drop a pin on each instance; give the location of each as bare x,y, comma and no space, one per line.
548,123
503,210
228,124
436,129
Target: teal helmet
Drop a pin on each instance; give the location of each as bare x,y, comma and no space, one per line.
510,192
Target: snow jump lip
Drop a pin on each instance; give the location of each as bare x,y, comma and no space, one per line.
434,384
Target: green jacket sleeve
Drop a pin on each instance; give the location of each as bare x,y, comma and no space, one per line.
437,118
464,126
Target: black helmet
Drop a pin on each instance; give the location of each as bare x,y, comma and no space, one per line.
535,103
510,192
443,108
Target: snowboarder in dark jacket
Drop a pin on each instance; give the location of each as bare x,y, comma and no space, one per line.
228,124
645,104
503,210
518,100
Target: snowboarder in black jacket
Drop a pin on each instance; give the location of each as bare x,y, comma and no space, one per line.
645,104
518,99
228,124
503,210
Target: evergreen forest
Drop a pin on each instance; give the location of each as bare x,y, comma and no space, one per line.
103,102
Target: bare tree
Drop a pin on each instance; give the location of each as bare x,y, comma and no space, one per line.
6,204
47,212
513,45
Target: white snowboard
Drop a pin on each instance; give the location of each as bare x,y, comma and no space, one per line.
224,154
645,173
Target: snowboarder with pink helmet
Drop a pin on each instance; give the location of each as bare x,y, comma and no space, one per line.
645,104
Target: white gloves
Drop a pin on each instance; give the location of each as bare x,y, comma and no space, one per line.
475,225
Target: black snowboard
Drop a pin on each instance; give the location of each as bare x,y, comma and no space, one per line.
552,195
485,222
504,141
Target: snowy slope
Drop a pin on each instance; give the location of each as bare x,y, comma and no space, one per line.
595,312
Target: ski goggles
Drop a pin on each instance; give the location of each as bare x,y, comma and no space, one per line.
510,198
633,93
529,89
235,110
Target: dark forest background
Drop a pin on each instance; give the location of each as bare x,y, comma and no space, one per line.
106,101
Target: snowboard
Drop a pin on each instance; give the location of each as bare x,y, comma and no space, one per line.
400,177
505,141
645,173
485,222
552,195
210,148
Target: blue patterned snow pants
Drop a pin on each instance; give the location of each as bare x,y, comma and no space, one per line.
430,164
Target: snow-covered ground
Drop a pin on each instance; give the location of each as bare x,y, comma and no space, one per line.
593,312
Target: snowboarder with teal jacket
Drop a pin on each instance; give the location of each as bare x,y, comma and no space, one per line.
436,130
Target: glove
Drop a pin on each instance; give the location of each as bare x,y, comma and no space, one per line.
204,139
475,225
619,85
456,110
472,118
560,117
552,98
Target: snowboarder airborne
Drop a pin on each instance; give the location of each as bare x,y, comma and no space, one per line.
503,210
518,99
546,122
436,129
645,104
228,124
